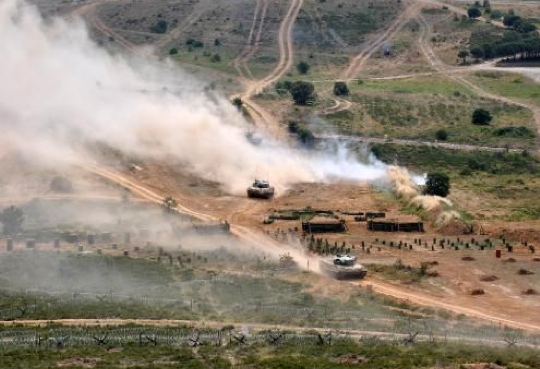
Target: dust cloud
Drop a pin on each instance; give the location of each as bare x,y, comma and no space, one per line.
61,92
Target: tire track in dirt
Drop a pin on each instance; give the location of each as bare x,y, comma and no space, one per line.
453,73
260,117
260,240
187,23
358,62
253,40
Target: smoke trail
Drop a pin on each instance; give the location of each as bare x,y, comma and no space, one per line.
61,92
407,187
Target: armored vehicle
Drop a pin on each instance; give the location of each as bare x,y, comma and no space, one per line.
260,189
342,267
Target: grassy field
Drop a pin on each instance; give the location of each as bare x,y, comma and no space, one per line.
415,85
510,85
488,185
343,353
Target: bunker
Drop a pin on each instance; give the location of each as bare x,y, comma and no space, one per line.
321,224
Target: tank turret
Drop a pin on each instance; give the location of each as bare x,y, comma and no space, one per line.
342,267
260,189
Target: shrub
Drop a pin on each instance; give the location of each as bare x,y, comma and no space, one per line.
481,117
437,184
341,89
302,92
215,58
160,27
173,51
441,135
473,12
303,67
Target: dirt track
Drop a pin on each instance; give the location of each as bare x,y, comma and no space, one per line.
256,238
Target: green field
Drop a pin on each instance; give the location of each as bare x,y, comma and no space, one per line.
510,85
507,183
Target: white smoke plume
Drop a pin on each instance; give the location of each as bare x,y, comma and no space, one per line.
61,92
407,187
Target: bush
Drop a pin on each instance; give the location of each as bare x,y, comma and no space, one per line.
194,43
473,12
481,117
441,135
302,92
437,184
341,89
173,51
303,67
215,58
282,87
160,27
495,14
520,131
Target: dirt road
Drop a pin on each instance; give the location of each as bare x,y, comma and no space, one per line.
253,41
262,118
357,62
455,73
405,142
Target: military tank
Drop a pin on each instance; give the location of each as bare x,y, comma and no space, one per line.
260,189
342,267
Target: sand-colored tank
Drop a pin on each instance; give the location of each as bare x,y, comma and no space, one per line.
342,267
260,189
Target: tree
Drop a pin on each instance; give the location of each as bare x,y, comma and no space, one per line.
477,52
486,4
160,27
217,42
496,14
441,135
341,89
303,67
463,54
437,184
173,51
12,219
302,92
215,58
473,12
510,19
525,27
481,117
238,103
169,204
282,87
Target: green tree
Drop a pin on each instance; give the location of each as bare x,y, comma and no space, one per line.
303,67
437,184
215,58
495,14
441,135
481,117
169,204
12,219
160,27
341,89
173,51
217,42
473,12
463,54
282,87
302,92
477,52
238,103
510,19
